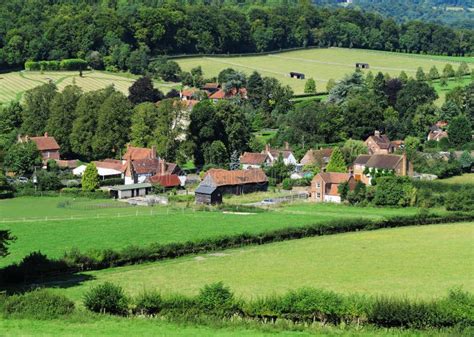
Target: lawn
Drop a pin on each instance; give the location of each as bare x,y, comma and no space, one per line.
442,91
137,226
320,64
14,84
421,262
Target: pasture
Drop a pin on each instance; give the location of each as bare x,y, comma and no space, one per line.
14,84
466,178
86,227
321,64
418,262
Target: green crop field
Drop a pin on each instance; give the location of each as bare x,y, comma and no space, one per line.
321,64
421,262
86,227
14,84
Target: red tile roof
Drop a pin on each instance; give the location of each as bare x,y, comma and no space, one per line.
382,141
220,94
110,164
222,177
135,153
166,180
45,143
252,158
334,177
210,86
71,164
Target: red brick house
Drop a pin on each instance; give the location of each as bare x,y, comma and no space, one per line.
324,186
379,144
47,146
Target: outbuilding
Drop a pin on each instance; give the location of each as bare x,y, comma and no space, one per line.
299,76
130,190
361,65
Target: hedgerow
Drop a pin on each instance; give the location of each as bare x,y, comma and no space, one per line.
75,260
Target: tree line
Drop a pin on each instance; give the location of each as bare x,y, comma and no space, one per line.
117,34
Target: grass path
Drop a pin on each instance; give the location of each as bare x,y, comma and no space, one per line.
421,262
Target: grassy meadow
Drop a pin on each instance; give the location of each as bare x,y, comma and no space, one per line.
119,227
14,84
321,64
466,178
418,262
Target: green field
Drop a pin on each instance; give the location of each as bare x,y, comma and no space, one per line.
84,325
321,64
14,84
120,227
452,83
421,262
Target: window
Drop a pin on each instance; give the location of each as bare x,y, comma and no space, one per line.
318,195
318,185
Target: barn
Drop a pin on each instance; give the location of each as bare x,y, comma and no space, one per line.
299,76
218,182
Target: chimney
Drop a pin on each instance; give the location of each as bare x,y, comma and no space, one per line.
287,146
377,133
162,167
267,148
404,164
153,152
46,135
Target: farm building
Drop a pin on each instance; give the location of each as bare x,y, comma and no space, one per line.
360,65
130,191
108,168
218,182
324,186
299,76
165,180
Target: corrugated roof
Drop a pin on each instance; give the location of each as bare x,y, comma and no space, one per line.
130,187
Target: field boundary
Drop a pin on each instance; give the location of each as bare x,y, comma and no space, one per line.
76,261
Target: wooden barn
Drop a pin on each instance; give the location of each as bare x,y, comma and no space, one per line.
218,182
299,76
360,65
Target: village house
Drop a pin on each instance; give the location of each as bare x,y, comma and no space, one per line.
388,162
254,160
317,157
222,94
210,88
139,170
188,94
47,146
437,131
218,182
325,185
379,144
287,154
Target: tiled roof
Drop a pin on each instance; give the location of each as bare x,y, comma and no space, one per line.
134,153
220,94
384,161
189,92
362,159
111,164
381,140
437,135
210,86
166,180
334,177
71,164
276,153
252,158
220,177
45,143
316,156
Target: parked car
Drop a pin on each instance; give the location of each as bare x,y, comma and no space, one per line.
268,202
22,180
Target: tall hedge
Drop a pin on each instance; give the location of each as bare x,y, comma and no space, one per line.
66,64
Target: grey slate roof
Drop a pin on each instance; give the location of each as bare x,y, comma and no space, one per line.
205,189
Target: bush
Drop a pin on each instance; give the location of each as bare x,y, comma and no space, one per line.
462,200
217,299
111,182
37,304
148,303
73,64
287,184
106,298
78,192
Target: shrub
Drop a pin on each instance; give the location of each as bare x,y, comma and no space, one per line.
287,184
111,182
73,64
106,298
148,303
462,200
37,304
217,299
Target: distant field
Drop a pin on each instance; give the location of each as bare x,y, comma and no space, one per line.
321,64
421,262
14,84
452,83
467,178
167,224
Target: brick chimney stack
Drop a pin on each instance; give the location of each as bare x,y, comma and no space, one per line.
153,152
267,148
162,167
287,146
377,133
46,135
